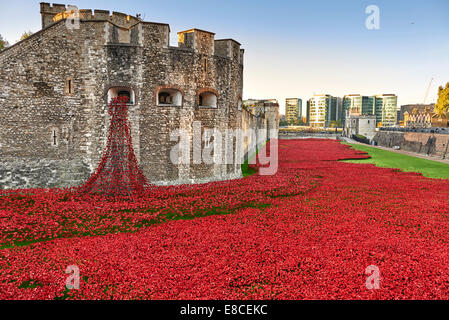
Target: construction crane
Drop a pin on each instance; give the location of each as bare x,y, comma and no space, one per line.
427,92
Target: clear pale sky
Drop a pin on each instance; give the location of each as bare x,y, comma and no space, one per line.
297,48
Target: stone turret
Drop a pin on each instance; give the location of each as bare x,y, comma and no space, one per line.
199,40
229,48
48,12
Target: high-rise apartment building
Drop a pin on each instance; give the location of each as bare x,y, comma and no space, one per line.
293,110
323,109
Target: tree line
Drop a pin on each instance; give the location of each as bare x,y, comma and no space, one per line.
5,44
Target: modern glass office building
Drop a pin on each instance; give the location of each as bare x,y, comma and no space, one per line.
386,109
359,105
383,106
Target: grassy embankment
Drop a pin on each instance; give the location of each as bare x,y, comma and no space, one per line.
388,159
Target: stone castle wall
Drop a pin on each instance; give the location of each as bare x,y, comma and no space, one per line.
36,109
419,142
258,124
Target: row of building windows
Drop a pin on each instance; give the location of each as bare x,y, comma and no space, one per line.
165,97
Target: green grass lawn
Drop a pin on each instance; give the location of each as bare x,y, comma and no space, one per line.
387,159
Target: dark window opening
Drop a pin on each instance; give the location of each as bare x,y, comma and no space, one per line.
69,87
165,98
125,94
169,97
55,138
121,92
208,99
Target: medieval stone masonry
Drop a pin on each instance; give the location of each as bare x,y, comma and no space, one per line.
55,87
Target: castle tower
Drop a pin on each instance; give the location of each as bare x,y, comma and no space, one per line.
60,84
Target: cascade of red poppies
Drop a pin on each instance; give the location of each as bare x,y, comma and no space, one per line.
118,173
308,232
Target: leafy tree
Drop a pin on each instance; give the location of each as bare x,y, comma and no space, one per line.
25,35
283,123
3,43
335,124
294,122
442,106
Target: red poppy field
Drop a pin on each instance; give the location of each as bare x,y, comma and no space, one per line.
308,232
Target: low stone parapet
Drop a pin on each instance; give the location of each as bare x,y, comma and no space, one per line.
420,142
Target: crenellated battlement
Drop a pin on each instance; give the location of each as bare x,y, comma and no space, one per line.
200,41
204,42
48,12
53,8
53,13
